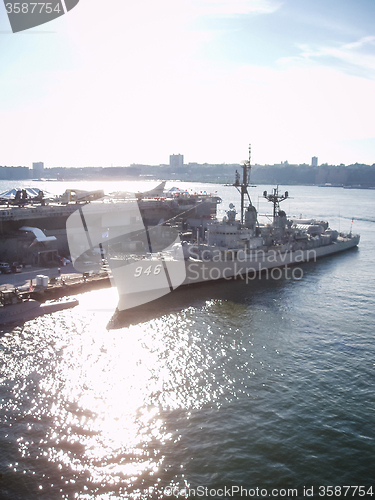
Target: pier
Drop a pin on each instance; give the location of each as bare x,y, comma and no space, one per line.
55,285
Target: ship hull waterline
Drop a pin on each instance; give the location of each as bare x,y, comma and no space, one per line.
208,271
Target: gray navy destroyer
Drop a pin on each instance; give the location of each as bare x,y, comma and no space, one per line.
147,262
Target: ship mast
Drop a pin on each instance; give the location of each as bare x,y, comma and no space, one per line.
275,198
246,168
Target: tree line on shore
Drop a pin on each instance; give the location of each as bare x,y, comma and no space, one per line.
336,175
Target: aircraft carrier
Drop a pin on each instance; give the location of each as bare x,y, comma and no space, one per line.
33,226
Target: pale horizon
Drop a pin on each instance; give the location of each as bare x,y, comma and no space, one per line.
126,84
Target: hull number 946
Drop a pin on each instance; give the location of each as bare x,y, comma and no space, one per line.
148,270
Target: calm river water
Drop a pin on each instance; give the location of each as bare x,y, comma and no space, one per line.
266,385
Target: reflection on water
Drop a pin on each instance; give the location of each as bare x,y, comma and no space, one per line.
218,385
92,404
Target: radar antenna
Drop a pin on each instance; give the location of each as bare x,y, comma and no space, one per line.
275,198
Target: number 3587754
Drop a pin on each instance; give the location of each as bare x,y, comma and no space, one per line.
32,8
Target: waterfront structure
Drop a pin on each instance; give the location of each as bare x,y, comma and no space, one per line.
44,241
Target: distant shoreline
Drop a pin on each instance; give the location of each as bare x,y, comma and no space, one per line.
355,176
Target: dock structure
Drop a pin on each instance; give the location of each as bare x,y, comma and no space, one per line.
64,286
24,217
34,282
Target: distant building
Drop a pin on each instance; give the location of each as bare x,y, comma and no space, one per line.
38,169
314,161
14,173
176,161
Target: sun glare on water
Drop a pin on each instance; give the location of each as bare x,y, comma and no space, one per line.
105,396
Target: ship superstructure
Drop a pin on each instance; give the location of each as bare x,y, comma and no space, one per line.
284,241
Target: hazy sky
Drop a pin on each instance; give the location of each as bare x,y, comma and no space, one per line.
120,82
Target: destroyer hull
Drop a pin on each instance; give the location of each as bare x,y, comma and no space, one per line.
201,271
207,271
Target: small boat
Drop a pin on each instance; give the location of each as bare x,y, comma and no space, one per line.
16,306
